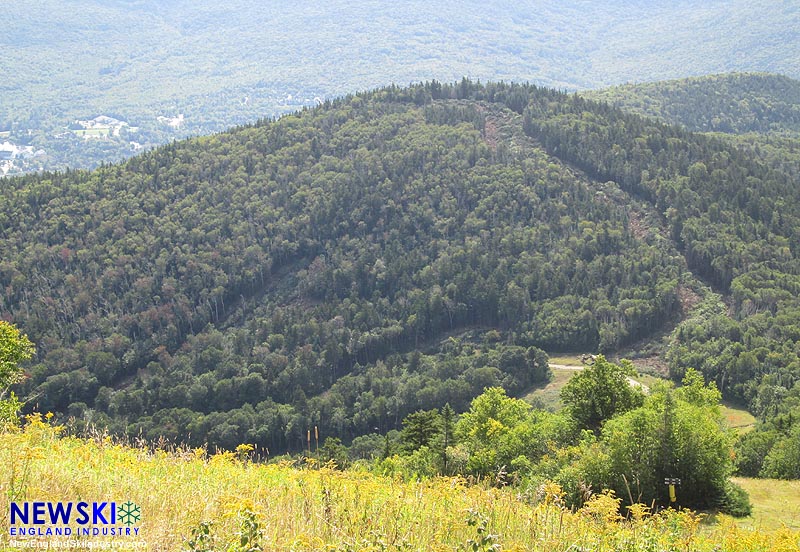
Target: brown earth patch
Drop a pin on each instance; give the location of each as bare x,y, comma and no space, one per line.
652,365
490,134
687,298
637,226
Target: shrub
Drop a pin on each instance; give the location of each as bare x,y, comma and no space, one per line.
735,501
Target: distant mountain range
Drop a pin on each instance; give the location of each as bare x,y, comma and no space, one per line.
147,62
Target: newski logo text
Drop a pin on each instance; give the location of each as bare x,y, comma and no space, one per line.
89,519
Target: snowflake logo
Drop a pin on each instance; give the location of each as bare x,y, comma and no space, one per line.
129,513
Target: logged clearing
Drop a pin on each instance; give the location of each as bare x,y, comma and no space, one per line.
566,359
738,418
564,366
548,396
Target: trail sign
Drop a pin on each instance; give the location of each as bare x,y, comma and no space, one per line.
672,481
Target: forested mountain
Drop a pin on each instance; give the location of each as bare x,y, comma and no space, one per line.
292,262
226,63
736,103
389,252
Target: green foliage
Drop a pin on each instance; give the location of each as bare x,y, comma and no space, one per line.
665,438
250,534
421,463
247,539
9,411
15,348
580,470
201,540
367,447
751,450
694,391
771,449
360,233
448,417
731,103
335,452
421,429
674,433
484,541
783,459
495,431
600,392
735,215
735,501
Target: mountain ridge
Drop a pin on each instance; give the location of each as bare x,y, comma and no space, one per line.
381,219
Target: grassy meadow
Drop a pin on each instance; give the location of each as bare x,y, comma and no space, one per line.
738,418
548,395
280,507
776,503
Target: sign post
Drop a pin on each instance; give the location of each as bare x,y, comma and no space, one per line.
672,481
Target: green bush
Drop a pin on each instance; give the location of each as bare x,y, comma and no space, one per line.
735,501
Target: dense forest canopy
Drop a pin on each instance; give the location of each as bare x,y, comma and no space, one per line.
735,103
394,251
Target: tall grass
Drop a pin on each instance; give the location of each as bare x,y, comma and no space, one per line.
225,502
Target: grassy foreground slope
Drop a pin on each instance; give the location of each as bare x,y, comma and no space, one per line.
324,509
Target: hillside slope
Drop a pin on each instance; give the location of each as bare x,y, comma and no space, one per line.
294,260
246,286
735,103
246,504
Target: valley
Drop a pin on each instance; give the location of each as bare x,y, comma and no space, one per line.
234,63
